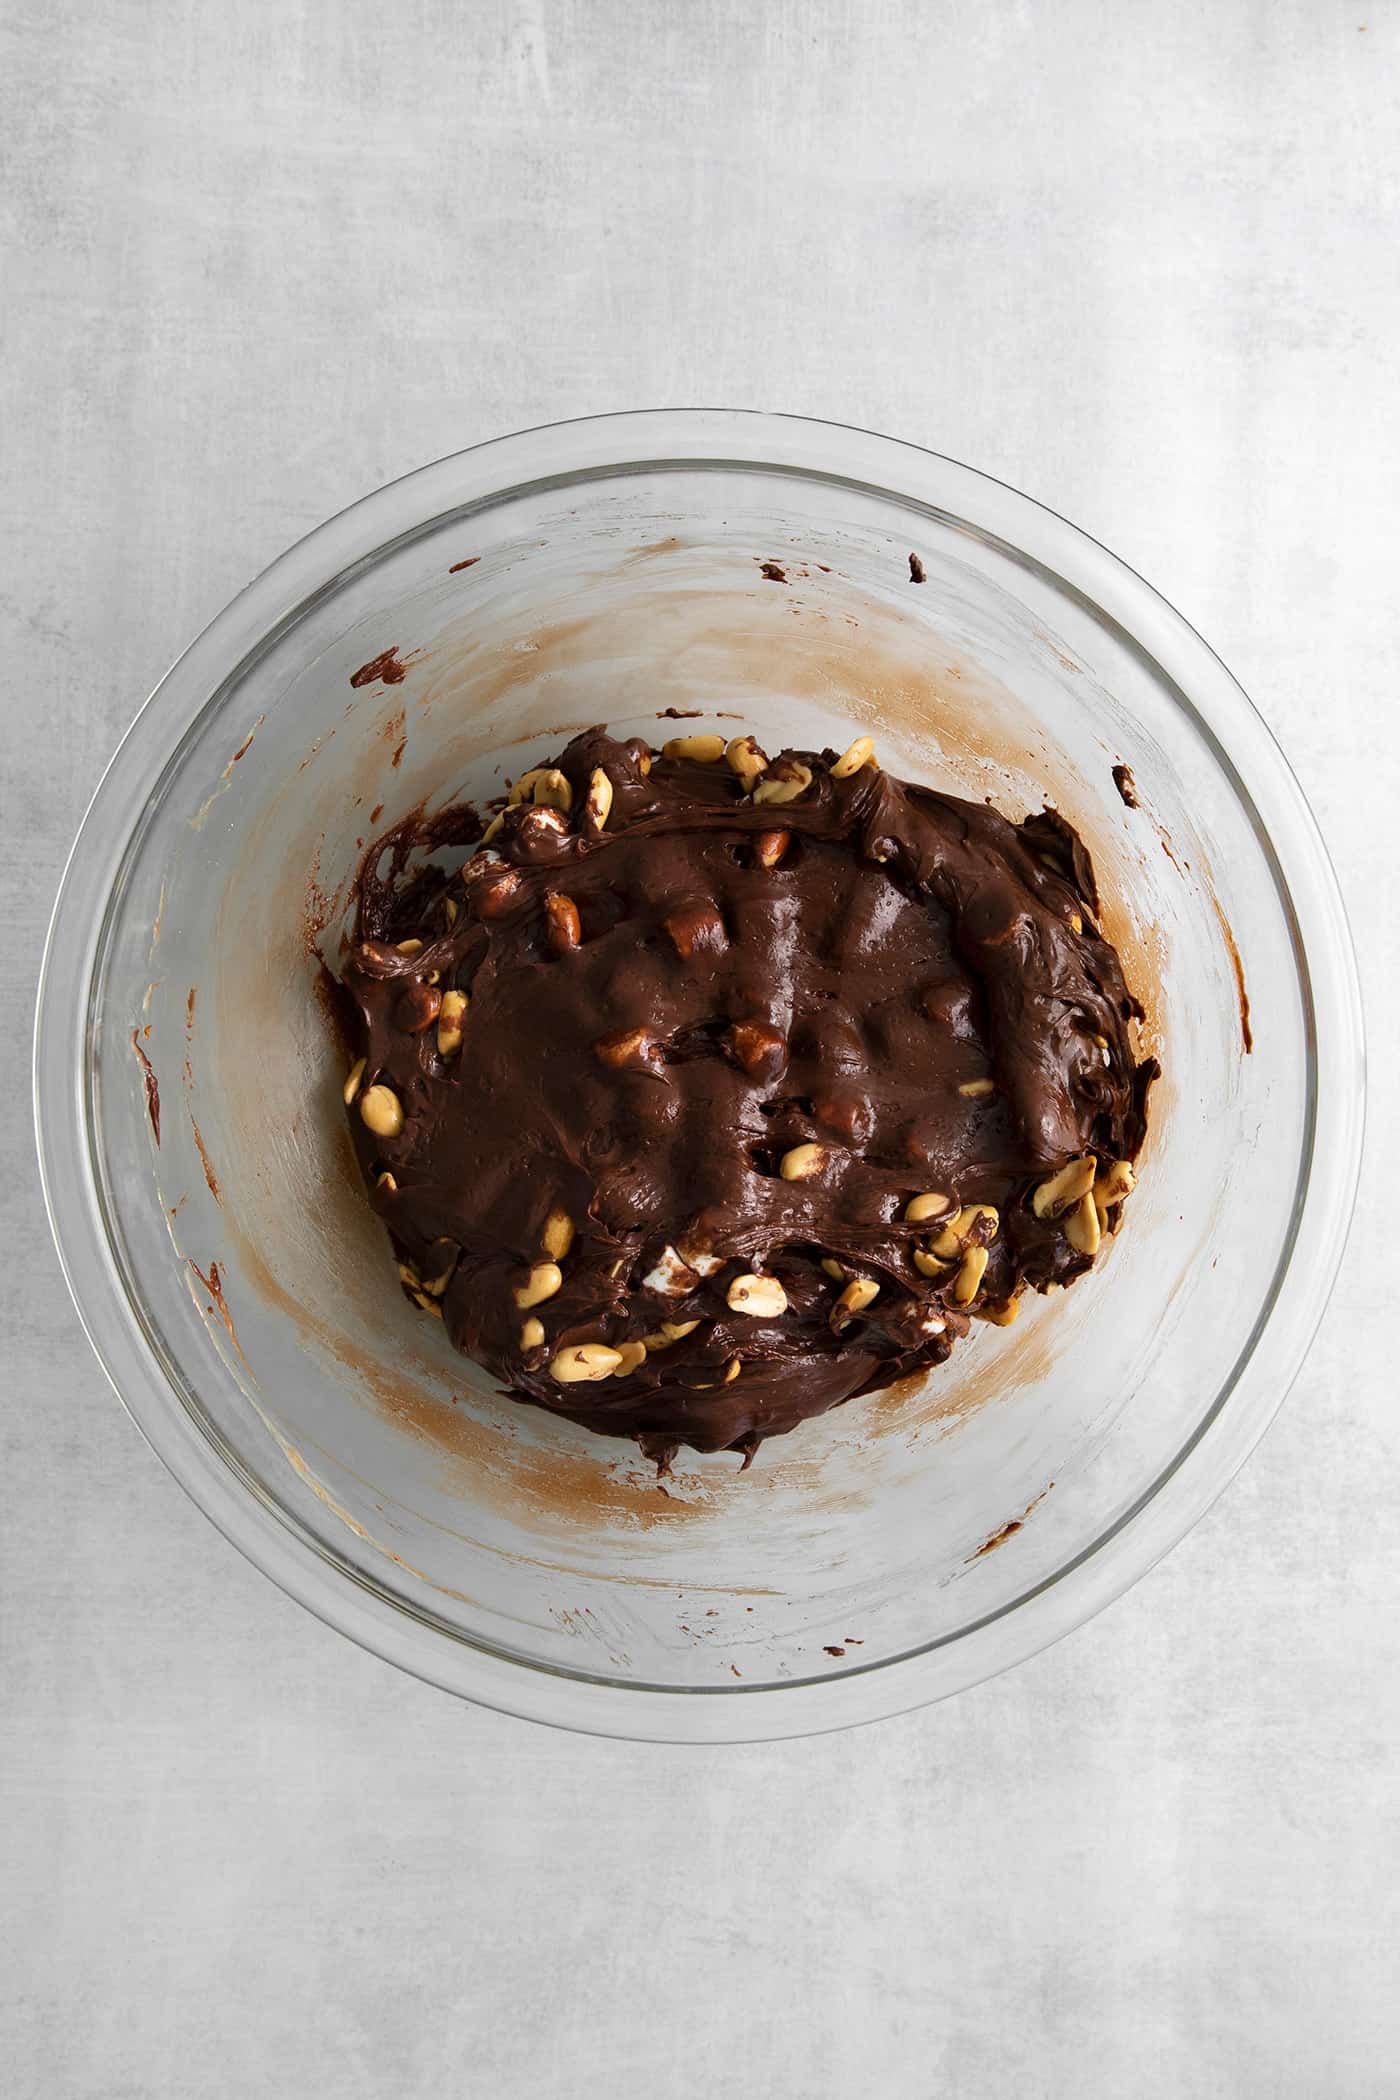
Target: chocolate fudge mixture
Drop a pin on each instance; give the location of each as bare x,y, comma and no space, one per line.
712,1090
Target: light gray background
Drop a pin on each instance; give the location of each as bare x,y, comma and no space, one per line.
1141,262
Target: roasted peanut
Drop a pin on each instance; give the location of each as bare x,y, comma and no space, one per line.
1001,1311
928,1264
493,896
562,925
524,787
629,1048
920,1209
585,1362
1116,1181
977,1089
859,1295
732,1370
449,1027
802,1163
387,1183
382,1111
677,1330
542,1282
352,1081
854,757
784,781
1065,1188
969,1277
552,790
850,1115
761,1297
757,1049
834,1269
1081,1227
493,830
597,805
975,1219
532,1334
769,847
631,1355
705,750
417,1007
409,948
558,1235
696,928
746,759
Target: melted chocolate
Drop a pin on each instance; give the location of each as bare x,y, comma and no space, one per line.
656,1018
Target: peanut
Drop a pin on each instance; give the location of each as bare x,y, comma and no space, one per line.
543,1281
1081,1227
951,1241
584,1362
562,924
757,1049
1065,1188
598,802
382,1111
704,750
761,1297
854,757
449,1028
920,1209
969,1276
746,759
783,782
628,1048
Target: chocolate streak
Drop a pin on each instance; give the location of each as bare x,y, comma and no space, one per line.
905,944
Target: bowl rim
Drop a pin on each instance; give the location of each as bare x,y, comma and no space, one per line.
646,440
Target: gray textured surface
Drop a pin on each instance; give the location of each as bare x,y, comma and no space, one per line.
1140,262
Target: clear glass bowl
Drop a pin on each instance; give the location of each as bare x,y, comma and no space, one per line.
912,1542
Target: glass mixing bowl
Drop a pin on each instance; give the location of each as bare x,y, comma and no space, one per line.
458,626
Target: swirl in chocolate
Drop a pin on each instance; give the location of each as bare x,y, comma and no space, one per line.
720,1090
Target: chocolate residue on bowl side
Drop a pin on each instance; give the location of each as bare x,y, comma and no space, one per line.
205,1161
151,1083
1127,788
385,668
458,566
1007,1531
213,1283
1246,1032
772,572
916,570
